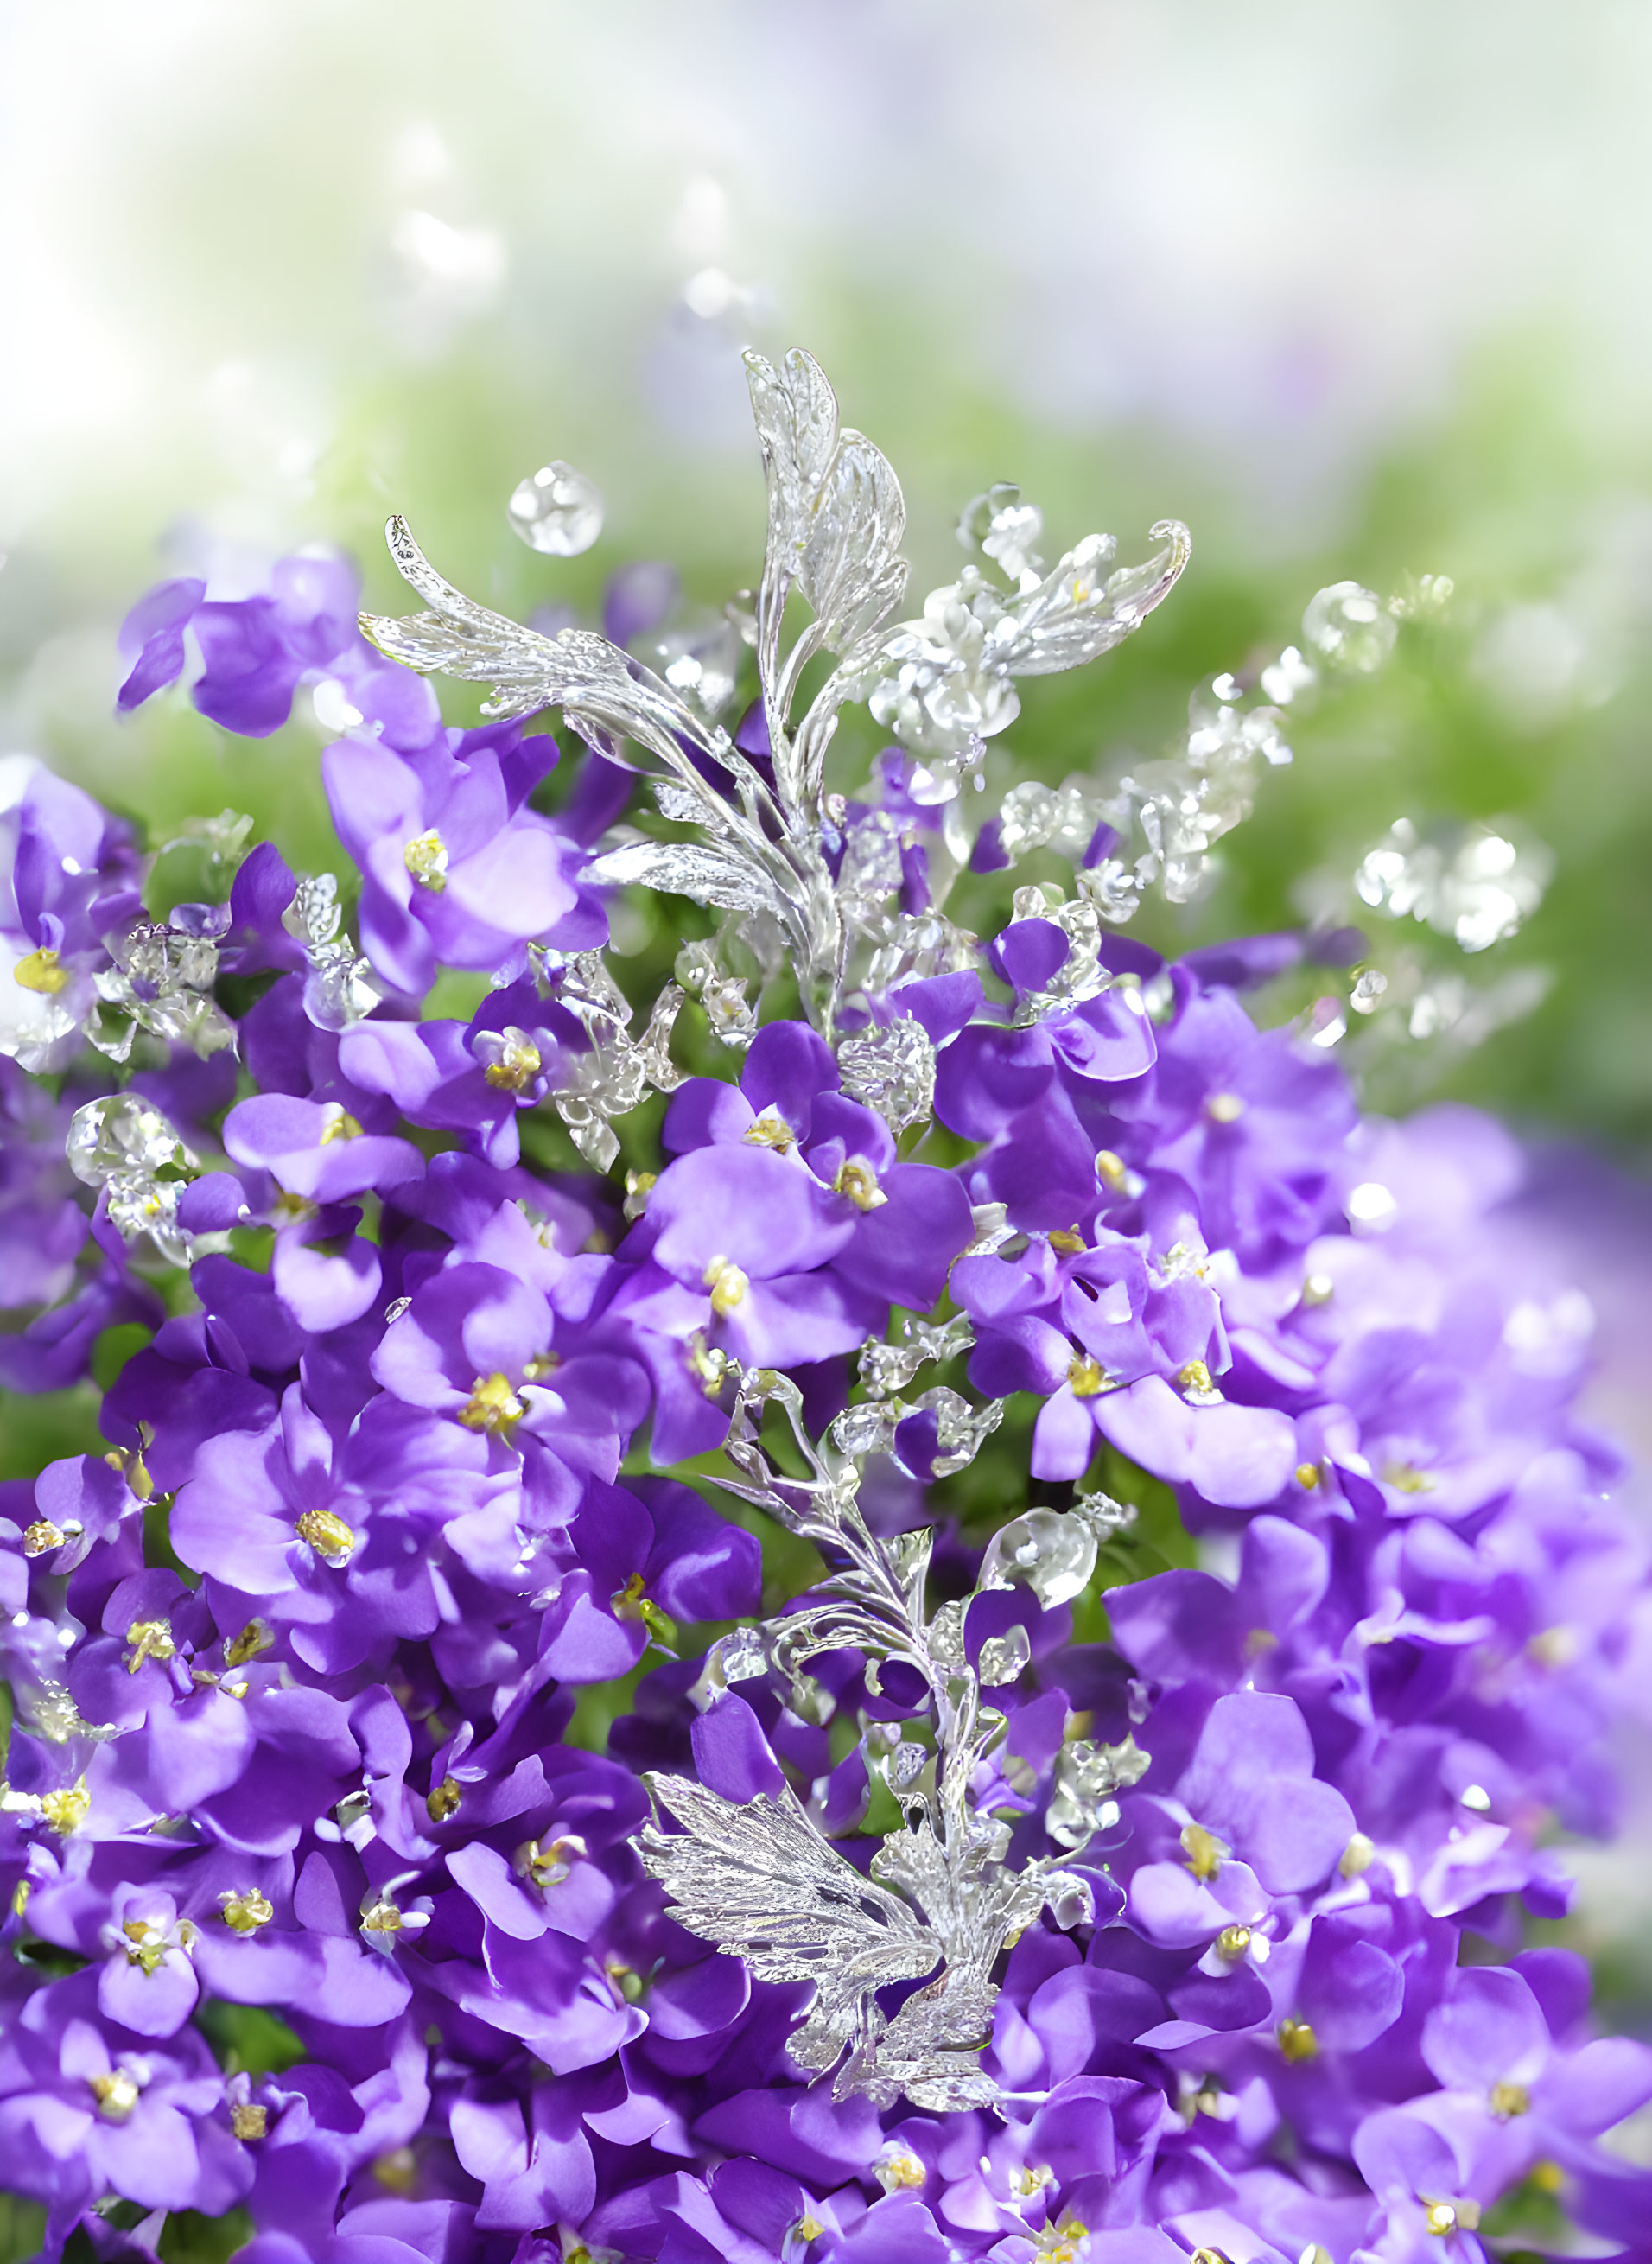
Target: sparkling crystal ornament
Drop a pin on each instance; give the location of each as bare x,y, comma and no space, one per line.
556,511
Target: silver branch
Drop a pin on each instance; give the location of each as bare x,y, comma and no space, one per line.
941,683
760,1878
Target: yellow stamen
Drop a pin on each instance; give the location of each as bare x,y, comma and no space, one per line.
253,1638
1203,1849
1509,2099
492,1405
630,1603
1194,1377
116,2094
442,1800
248,2120
398,2171
1068,1241
128,1461
245,1909
899,2170
1318,1289
859,1181
425,857
1448,2217
150,1639
381,1917
1112,1171
67,1810
41,1537
727,1283
1232,1942
548,1865
770,1131
1086,1376
1307,1476
1358,1855
1405,1478
807,2229
1297,2041
1547,2177
38,970
519,1063
332,1540
340,1125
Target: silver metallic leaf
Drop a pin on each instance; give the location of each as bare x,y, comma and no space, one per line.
689,868
757,1879
1074,615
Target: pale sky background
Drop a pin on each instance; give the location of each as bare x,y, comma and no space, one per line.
1270,227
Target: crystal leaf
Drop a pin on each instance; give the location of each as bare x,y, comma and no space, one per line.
689,868
891,1068
885,1368
758,1879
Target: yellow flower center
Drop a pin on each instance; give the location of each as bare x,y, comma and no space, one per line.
727,1283
1297,2041
41,1537
1509,2099
856,1179
900,2170
630,1603
548,1865
332,1540
1194,1379
770,1131
245,1910
150,1639
425,857
340,1125
1232,1942
807,2229
1447,2216
67,1810
381,1917
707,1362
442,1800
39,971
248,2120
253,1638
1063,2243
493,1405
519,1063
1068,1241
116,2094
1307,1476
1086,1376
1203,1850
1358,1855
1112,1171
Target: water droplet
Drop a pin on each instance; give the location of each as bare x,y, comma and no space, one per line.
557,512
1349,625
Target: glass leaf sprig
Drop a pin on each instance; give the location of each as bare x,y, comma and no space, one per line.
942,685
759,1877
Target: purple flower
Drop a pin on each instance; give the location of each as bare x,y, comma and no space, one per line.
457,871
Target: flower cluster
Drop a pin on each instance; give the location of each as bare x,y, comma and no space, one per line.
362,1685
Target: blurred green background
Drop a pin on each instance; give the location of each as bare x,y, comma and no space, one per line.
1352,290
1357,291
